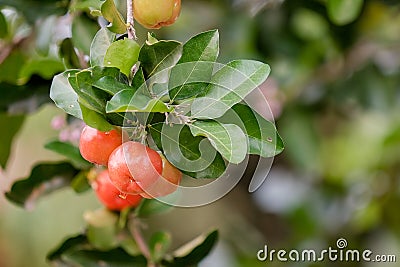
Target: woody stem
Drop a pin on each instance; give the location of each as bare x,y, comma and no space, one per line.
129,19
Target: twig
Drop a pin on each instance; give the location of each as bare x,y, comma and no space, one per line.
134,228
129,20
6,50
82,61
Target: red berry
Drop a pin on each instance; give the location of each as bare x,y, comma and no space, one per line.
96,146
110,196
167,183
133,167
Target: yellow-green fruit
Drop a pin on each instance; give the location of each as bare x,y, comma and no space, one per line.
154,14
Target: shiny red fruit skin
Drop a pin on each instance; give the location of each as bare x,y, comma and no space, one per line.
96,146
110,196
166,184
133,167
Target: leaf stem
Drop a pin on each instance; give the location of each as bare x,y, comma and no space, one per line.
129,20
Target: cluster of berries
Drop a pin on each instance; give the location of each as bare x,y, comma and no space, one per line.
133,170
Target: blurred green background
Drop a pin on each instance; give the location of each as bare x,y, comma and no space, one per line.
334,91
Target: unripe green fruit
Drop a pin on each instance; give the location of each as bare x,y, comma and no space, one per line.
154,14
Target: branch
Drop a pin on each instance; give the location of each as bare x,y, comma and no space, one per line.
6,50
134,228
129,20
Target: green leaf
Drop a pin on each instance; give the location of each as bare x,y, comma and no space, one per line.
122,54
194,156
158,245
70,151
99,72
90,97
95,119
92,101
86,5
111,85
263,138
35,9
129,101
76,251
102,229
68,54
93,97
227,139
44,179
194,251
11,125
202,47
110,13
229,86
148,207
139,83
70,243
159,56
130,245
190,79
96,13
343,12
3,26
11,67
64,95
80,183
83,31
44,67
151,38
112,258
102,40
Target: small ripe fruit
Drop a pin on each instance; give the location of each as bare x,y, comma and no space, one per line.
133,167
110,196
166,184
154,14
96,146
